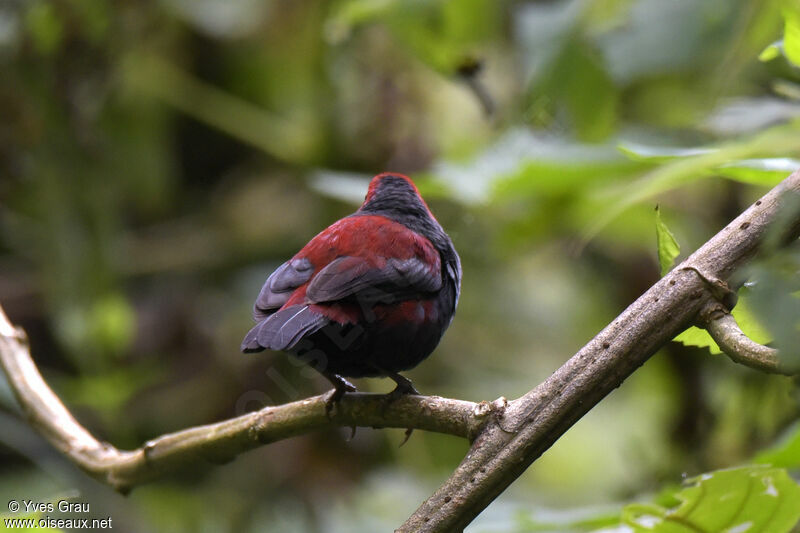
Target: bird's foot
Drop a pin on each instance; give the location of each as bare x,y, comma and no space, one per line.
340,387
404,387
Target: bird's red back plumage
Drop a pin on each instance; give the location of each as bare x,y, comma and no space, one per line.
371,238
370,295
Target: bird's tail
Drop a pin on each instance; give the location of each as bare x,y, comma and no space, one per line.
283,329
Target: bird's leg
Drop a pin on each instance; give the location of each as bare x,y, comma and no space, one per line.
340,387
404,385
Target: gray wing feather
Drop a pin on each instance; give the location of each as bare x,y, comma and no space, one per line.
279,286
347,276
284,329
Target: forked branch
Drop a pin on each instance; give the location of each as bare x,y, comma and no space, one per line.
535,421
506,438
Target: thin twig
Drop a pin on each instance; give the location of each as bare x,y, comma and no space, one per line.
742,349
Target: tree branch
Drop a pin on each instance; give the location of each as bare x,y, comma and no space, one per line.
733,342
220,442
532,423
506,437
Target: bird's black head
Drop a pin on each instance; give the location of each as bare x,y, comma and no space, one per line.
394,194
395,197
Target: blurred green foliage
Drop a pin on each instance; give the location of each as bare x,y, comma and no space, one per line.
158,158
739,499
668,247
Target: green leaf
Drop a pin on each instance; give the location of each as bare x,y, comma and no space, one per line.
786,452
690,165
668,248
523,163
791,32
659,154
789,46
768,171
698,337
771,52
752,499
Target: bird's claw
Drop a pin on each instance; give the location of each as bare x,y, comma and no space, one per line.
404,386
340,387
402,389
408,433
